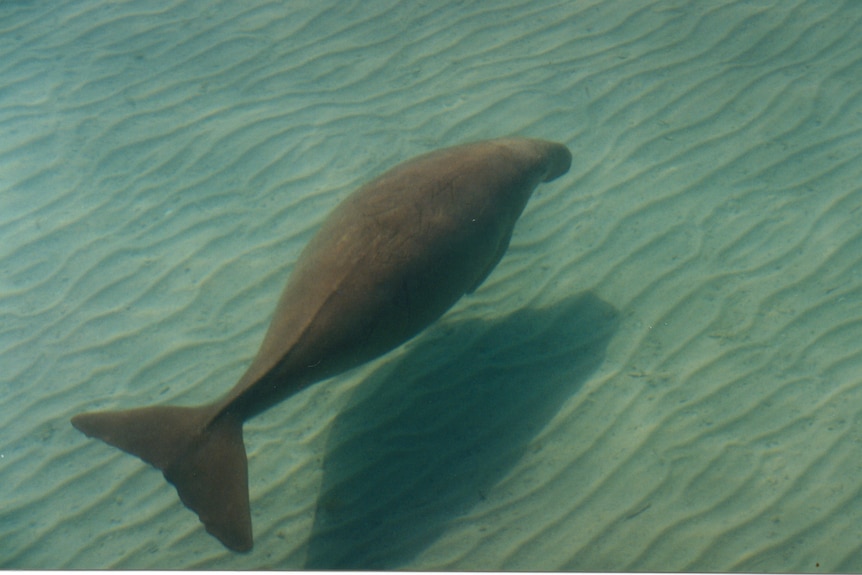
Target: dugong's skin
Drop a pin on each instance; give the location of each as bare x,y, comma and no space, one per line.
388,261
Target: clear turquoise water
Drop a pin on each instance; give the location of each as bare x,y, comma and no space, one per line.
664,372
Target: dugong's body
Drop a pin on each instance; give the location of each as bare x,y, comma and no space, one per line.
388,261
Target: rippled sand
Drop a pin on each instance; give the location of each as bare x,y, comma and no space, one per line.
664,373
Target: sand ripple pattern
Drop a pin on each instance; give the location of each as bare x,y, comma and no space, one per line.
664,373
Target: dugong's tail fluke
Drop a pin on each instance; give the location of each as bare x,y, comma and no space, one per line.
204,459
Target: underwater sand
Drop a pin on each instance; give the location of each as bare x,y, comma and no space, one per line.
664,373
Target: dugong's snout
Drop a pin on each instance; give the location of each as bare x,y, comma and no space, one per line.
558,160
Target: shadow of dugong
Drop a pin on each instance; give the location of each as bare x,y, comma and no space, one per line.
413,451
388,261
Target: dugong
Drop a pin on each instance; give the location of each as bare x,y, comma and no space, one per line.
388,261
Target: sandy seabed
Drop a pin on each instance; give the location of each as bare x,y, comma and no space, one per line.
664,373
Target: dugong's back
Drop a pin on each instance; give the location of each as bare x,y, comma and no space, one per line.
390,259
397,253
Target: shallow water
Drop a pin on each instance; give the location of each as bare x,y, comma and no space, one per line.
664,373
